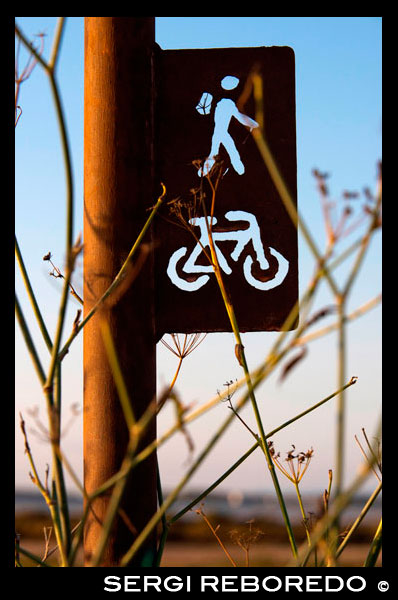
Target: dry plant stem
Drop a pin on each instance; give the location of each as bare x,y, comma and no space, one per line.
341,299
327,522
342,351
154,445
60,275
172,384
234,324
50,71
161,404
46,495
326,506
48,387
60,512
214,532
351,317
365,240
144,453
372,453
20,78
250,451
358,520
77,531
59,29
47,537
181,353
132,460
71,557
270,363
275,355
57,402
173,495
286,197
33,557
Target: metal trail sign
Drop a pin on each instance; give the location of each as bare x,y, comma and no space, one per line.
204,123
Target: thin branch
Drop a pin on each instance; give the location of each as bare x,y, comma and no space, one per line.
32,297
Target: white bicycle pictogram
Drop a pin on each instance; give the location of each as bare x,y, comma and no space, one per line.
242,237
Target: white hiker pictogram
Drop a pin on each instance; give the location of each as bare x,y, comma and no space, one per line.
242,237
224,111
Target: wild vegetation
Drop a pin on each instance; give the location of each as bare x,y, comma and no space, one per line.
324,542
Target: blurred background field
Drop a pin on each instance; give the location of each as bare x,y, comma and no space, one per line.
191,543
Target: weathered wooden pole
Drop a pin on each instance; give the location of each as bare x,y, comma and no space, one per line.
118,190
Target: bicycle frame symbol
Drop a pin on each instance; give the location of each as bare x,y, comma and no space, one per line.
242,237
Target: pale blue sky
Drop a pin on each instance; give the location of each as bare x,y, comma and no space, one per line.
339,120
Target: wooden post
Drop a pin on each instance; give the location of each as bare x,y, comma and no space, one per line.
118,190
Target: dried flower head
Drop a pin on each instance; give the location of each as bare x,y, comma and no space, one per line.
230,390
297,464
181,349
244,538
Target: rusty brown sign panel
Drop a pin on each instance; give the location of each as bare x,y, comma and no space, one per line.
205,114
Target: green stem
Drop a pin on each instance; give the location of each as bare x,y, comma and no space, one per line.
214,485
173,495
132,461
242,361
154,445
33,557
110,516
29,342
287,199
165,526
56,43
374,548
340,426
300,501
51,503
69,230
330,519
118,279
117,374
250,451
32,297
53,410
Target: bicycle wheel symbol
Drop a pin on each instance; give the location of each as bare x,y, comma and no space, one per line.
197,275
